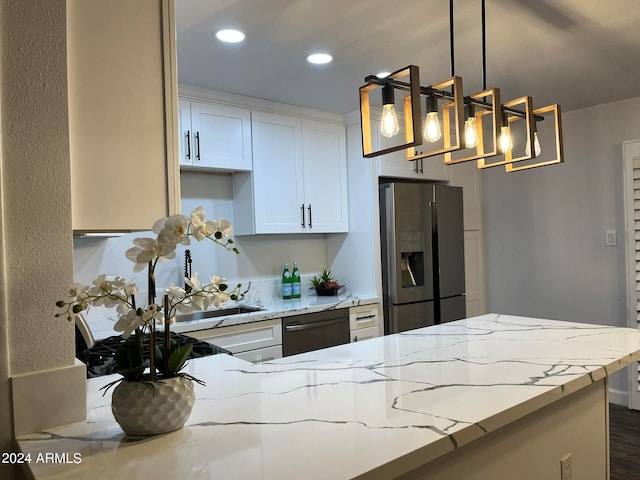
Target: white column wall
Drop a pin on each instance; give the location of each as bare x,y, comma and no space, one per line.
36,211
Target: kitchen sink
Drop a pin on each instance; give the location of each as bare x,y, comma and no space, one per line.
237,310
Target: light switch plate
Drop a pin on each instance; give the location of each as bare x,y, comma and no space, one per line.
610,238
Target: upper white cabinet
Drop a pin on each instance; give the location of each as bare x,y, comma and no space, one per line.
299,179
122,113
214,136
325,176
396,165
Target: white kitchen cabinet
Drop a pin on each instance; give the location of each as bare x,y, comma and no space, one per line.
325,176
364,322
467,176
299,178
122,113
396,165
214,136
255,341
261,355
364,334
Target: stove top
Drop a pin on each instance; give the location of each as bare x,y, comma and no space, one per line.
100,358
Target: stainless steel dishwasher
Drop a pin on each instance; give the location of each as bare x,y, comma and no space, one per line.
312,331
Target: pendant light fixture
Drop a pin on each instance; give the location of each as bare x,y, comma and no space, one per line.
389,120
411,84
470,129
453,131
432,130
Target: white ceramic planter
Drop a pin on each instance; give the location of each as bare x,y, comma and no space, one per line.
141,410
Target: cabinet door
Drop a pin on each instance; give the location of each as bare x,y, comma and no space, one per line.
221,136
325,177
277,173
362,334
261,354
184,128
243,337
122,113
467,176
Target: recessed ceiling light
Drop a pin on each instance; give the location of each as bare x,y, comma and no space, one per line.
230,35
319,58
383,74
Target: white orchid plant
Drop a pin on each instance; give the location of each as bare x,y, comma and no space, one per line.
167,359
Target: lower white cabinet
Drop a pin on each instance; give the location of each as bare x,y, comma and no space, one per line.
260,355
364,322
364,334
255,342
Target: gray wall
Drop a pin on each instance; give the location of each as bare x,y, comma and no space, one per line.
545,250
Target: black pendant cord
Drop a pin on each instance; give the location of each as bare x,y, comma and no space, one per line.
452,65
484,46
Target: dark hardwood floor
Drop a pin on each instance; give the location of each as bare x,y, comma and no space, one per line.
624,441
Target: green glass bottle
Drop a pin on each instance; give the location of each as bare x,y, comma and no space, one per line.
286,282
296,289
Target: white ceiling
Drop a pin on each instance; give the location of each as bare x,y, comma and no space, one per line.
576,53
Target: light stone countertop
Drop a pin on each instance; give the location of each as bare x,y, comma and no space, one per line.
270,308
363,410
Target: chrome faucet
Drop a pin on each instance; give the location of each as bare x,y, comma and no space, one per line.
187,269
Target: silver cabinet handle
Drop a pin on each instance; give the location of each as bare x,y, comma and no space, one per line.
310,225
307,326
302,209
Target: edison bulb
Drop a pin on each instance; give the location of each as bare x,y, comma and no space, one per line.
536,146
432,131
389,121
505,140
470,133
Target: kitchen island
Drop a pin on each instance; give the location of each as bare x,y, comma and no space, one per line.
490,397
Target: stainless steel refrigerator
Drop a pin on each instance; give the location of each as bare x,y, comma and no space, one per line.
422,240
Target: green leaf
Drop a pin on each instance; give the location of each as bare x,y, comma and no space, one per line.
127,356
132,374
179,357
158,355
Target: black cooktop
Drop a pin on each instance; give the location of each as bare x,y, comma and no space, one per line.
100,359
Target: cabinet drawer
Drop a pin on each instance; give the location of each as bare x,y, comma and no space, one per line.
364,334
364,316
261,354
245,337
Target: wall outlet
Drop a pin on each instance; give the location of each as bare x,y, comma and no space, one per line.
610,238
565,468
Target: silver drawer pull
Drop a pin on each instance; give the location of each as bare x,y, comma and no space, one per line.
306,326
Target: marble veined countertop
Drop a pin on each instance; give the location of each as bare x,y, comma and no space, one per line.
370,409
269,308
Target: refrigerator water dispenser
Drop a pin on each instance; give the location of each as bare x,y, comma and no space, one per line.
412,259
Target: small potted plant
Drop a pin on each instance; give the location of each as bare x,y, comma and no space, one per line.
325,284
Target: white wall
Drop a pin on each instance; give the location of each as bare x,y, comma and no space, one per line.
36,203
355,258
260,261
545,227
